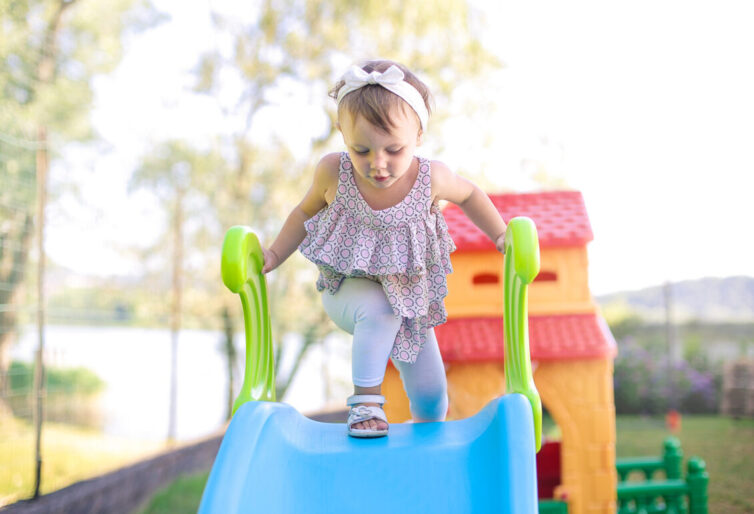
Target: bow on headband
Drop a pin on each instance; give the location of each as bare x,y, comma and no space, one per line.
392,80
356,77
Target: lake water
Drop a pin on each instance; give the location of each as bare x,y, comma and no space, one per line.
135,364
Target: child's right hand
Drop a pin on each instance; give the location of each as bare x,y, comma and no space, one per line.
271,260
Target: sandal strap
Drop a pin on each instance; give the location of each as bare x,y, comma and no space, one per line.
363,413
365,398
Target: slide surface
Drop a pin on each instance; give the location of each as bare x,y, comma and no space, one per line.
275,460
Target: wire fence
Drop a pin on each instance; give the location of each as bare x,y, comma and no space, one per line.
104,393
17,194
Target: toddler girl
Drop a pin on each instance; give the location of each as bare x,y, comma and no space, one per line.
371,223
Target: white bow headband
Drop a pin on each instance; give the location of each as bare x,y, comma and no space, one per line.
392,80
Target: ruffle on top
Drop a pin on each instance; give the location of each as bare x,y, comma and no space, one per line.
406,248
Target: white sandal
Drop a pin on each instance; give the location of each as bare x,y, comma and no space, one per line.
361,413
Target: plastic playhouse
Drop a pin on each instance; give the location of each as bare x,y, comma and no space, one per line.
275,460
572,349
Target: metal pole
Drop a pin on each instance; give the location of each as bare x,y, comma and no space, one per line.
39,375
674,355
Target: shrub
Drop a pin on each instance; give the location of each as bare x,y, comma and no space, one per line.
71,394
645,383
64,380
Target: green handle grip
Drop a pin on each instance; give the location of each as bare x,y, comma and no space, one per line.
521,267
241,266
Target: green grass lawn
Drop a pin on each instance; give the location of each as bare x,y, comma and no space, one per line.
726,445
69,454
182,496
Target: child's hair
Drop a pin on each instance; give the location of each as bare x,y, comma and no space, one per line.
374,102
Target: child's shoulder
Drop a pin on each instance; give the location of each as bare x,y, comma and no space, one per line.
329,166
330,161
438,166
440,172
446,184
326,173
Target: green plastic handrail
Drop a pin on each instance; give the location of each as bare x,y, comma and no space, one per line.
521,267
242,263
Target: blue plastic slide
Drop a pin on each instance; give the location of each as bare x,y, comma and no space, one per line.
275,460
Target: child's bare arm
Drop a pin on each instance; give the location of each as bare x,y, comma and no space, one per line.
474,202
293,231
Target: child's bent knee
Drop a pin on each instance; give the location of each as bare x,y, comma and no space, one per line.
426,408
429,404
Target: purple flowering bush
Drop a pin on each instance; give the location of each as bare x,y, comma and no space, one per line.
645,382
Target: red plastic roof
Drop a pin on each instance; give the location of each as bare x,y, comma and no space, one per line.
560,217
557,337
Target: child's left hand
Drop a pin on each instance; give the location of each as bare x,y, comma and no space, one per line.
500,243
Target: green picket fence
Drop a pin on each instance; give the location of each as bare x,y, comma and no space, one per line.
673,494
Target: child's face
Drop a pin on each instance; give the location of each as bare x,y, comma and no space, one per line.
379,157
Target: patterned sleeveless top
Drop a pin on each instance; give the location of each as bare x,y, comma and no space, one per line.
406,248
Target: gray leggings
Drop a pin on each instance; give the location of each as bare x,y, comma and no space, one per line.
361,308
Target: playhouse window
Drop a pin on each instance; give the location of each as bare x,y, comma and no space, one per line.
486,278
546,276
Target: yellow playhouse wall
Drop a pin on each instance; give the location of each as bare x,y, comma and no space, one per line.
579,396
569,294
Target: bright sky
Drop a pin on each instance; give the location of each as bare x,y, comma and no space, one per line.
646,107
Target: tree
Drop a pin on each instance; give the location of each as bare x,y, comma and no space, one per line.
173,171
51,51
301,46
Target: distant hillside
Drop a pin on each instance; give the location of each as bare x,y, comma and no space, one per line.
729,299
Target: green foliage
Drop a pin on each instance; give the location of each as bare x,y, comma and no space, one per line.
181,496
61,380
625,326
309,43
174,166
93,306
51,51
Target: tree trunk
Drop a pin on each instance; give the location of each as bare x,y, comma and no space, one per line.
230,355
175,313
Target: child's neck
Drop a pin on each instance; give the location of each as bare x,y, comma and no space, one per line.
381,199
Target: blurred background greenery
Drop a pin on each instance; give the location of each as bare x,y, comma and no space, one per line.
143,130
